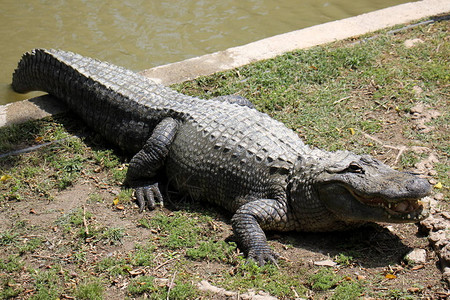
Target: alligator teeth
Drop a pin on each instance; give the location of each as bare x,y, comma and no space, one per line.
402,207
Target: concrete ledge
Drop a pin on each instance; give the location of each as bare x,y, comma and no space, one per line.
30,109
300,39
231,58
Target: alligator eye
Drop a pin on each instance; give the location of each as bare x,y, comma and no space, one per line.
355,168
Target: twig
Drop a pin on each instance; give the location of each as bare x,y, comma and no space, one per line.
171,284
342,99
164,263
400,149
36,147
86,228
49,257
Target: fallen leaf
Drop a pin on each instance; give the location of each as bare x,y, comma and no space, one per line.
352,131
413,290
136,272
325,263
38,139
390,276
116,201
348,278
418,267
32,211
120,207
438,185
5,178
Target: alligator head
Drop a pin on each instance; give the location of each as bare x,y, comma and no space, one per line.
360,188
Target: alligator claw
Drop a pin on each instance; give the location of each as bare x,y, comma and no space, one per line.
148,196
262,256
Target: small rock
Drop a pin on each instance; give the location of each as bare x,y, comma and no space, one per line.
429,203
446,275
438,238
417,256
432,173
412,42
445,255
427,164
445,214
391,228
418,109
417,90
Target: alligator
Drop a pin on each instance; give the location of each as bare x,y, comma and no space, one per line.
225,152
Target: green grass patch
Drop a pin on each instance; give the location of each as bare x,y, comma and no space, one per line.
125,195
145,285
113,266
212,250
10,289
142,284
113,235
348,290
267,278
90,289
343,259
323,280
143,255
179,230
11,264
47,285
30,245
8,238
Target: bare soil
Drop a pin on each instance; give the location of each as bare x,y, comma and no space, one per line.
377,251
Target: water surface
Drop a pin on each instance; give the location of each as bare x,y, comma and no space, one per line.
140,34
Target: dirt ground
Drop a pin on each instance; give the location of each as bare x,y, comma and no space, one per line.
376,252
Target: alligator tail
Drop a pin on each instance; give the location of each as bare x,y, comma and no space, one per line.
99,92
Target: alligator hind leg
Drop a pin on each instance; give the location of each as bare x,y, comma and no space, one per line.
239,100
145,164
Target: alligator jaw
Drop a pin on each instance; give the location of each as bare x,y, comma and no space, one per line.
400,209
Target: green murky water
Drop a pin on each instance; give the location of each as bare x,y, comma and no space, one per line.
140,34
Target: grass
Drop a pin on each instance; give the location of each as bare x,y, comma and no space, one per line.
141,285
333,96
324,280
249,276
90,289
47,285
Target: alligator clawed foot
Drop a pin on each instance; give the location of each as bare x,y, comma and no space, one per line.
262,256
148,195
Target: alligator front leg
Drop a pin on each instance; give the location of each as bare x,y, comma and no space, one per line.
145,164
250,220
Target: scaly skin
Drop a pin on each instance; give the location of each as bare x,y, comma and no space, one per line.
225,152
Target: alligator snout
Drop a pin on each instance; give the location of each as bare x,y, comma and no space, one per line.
418,187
